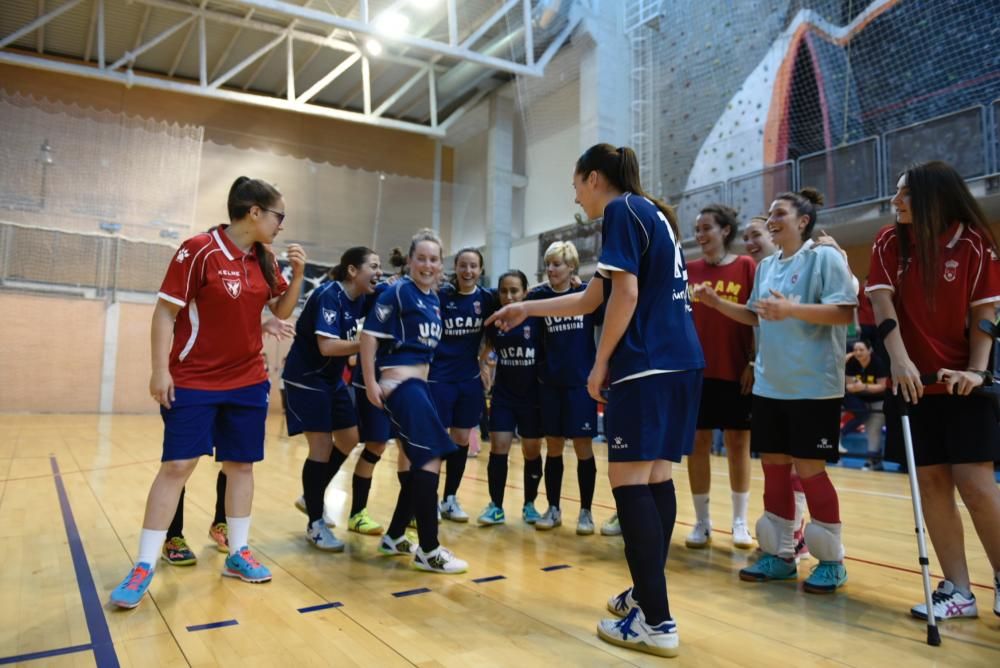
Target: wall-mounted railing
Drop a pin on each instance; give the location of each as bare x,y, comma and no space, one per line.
860,171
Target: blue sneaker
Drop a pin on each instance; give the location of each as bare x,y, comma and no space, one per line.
244,566
770,567
529,513
130,592
825,578
492,515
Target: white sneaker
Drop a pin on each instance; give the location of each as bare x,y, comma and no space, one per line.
322,538
300,503
611,527
450,510
550,520
700,536
632,632
741,535
622,604
440,560
948,603
404,545
585,525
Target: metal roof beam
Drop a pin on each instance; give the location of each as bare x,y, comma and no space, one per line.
248,23
130,78
130,56
357,27
246,62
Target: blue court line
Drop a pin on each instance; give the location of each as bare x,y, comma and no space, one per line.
490,578
410,592
45,654
97,625
321,606
557,567
212,625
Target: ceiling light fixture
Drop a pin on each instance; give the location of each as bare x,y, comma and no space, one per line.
391,23
373,47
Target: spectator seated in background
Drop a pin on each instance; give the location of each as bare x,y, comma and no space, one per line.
866,379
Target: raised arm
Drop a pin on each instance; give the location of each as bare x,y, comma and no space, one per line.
709,297
577,303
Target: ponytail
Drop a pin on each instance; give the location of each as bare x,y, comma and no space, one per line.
352,257
620,166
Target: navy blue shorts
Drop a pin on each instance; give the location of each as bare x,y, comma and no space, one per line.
653,417
459,404
373,423
522,418
567,411
324,409
230,420
417,424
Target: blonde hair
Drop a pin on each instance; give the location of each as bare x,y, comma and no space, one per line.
566,251
425,234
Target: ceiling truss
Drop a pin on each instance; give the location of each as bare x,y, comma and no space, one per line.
288,25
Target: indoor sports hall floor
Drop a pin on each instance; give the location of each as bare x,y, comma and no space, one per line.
72,490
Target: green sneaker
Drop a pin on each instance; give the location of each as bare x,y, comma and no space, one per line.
530,514
361,522
826,577
769,567
492,515
177,553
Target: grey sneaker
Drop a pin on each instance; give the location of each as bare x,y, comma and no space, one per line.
550,520
585,525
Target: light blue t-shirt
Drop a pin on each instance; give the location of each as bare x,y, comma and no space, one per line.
796,359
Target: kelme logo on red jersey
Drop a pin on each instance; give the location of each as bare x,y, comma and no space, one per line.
233,286
182,255
950,270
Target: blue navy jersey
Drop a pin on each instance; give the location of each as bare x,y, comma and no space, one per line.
357,377
407,322
329,313
517,353
462,315
568,347
636,238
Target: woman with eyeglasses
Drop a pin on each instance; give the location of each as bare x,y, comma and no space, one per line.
208,374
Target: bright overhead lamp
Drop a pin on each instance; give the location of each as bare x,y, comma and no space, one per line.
391,23
373,47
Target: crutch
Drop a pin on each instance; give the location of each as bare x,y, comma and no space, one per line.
933,636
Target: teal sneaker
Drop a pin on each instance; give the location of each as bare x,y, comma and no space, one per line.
769,567
826,577
529,513
492,515
244,565
130,592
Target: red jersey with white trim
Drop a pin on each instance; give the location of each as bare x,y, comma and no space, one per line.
727,344
968,275
217,334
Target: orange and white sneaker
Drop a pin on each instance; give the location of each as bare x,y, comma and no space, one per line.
219,532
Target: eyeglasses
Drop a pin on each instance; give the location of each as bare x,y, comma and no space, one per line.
279,214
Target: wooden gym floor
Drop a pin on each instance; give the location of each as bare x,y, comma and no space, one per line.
72,490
